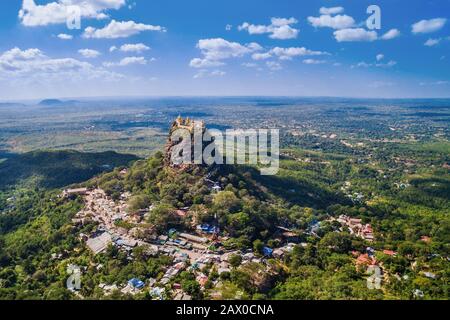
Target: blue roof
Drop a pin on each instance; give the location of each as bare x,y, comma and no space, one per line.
267,251
136,283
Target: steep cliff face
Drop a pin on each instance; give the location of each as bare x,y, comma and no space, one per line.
189,126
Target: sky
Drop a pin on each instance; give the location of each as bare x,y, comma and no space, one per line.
224,48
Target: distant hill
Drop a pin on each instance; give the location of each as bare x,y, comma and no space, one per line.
57,102
50,102
54,169
10,104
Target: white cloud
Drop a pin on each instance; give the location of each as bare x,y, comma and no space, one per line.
205,73
432,42
126,62
435,83
428,26
228,27
280,28
331,11
335,22
138,47
56,12
389,64
380,57
249,65
64,36
33,64
391,34
112,49
274,65
117,29
357,34
204,63
290,53
363,64
313,61
89,53
218,49
261,56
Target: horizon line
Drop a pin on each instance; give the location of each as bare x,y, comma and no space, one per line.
216,96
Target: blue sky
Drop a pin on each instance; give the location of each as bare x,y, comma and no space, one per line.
204,47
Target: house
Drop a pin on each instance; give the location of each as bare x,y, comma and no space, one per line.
202,279
100,243
157,293
267,251
425,239
206,228
127,243
278,253
418,294
177,286
390,253
74,192
136,283
429,275
193,238
181,213
365,260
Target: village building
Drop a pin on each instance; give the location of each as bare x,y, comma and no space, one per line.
100,243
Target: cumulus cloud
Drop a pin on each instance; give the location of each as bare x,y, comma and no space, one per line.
126,62
89,53
428,26
34,64
217,49
331,11
137,47
363,64
274,65
290,53
380,57
356,34
313,61
432,42
206,73
116,29
261,56
56,12
435,83
334,22
64,36
391,34
280,28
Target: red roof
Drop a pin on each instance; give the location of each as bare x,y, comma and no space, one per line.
389,252
426,239
364,259
181,213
